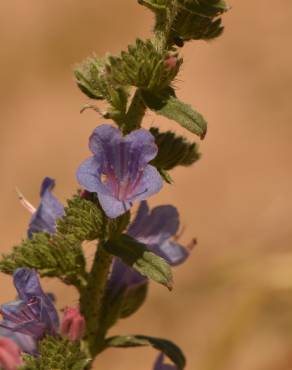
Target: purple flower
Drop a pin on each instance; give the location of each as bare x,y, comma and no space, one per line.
32,316
49,210
155,229
119,171
124,278
159,364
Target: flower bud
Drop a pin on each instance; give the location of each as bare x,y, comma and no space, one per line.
10,357
73,324
171,62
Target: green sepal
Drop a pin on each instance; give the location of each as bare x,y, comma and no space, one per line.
89,78
167,347
57,354
165,176
93,78
52,256
142,66
173,150
154,5
83,220
167,105
137,256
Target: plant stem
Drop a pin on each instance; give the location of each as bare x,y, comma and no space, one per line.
91,300
164,27
135,113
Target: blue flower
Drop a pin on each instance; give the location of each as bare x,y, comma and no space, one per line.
32,316
154,228
160,365
119,171
50,209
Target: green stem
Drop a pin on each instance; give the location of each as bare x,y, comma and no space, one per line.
135,113
164,27
91,300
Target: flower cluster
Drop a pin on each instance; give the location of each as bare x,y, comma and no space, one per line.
119,173
30,318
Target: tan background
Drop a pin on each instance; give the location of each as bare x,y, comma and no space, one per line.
236,200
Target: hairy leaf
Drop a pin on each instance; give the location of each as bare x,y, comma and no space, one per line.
169,106
137,255
173,150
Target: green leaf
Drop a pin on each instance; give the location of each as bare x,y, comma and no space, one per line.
57,354
163,345
173,150
169,106
137,255
187,19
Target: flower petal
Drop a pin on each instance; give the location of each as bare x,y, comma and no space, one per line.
142,141
25,342
89,176
27,284
154,227
123,277
48,184
150,183
159,364
172,252
49,210
112,206
102,137
141,219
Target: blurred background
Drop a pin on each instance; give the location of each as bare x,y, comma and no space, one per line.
231,308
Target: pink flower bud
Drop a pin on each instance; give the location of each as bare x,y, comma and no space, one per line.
171,62
10,357
73,324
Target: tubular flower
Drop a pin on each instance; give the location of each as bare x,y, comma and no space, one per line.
10,357
49,210
155,229
32,316
119,171
73,324
160,365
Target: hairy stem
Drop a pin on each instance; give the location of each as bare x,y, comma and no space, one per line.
135,113
164,27
91,300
